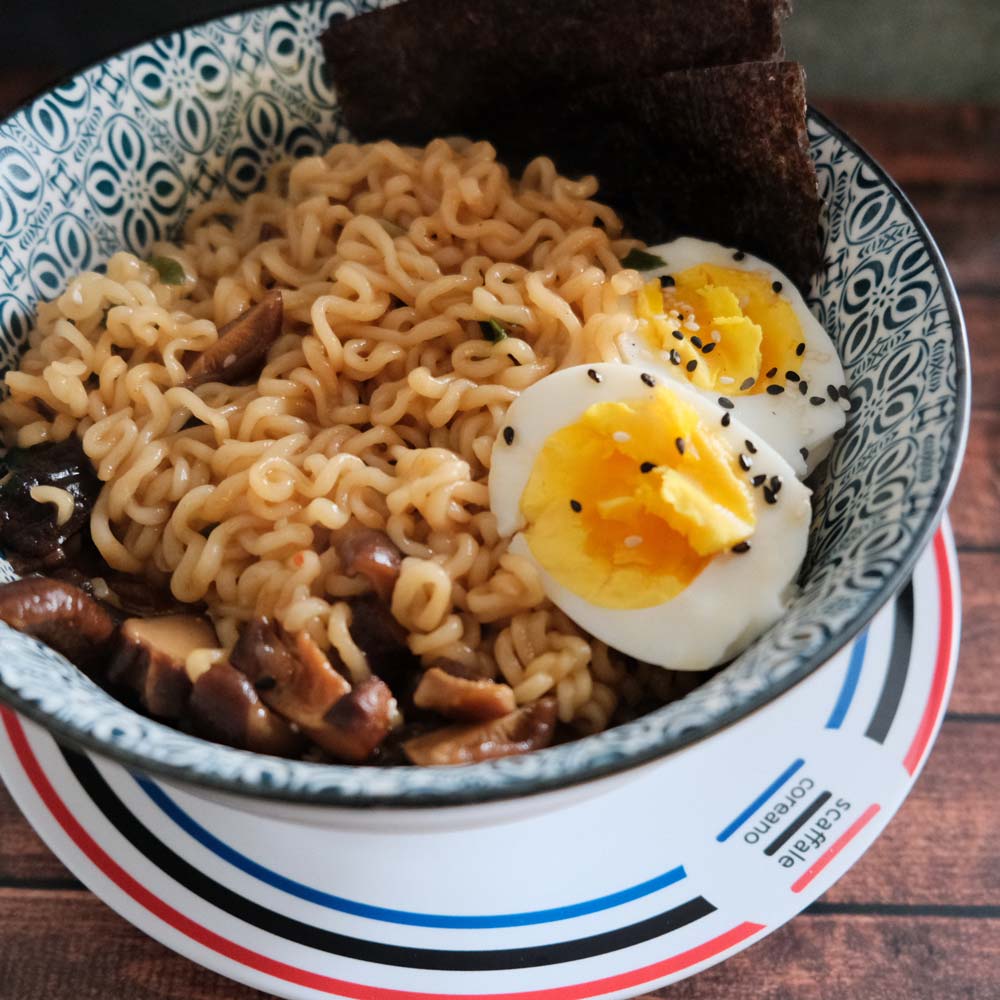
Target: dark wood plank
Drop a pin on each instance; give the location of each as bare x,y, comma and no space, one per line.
925,144
942,847
976,505
976,690
982,320
69,946
23,855
858,957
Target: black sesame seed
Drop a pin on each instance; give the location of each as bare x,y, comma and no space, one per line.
647,379
844,392
745,462
678,335
769,496
679,445
747,383
709,347
758,480
792,376
691,365
667,281
776,286
576,505
776,485
801,349
696,340
675,357
680,317
775,390
803,387
265,683
726,403
726,418
771,372
751,447
508,435
514,361
804,452
593,375
740,547
648,466
831,391
739,255
817,400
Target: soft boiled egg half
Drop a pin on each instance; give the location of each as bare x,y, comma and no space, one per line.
731,325
660,524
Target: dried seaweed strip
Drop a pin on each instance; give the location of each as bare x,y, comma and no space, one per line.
721,153
425,68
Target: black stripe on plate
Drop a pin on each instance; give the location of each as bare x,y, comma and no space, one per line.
899,667
171,864
797,824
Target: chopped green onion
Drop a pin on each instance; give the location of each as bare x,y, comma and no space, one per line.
642,261
493,330
171,271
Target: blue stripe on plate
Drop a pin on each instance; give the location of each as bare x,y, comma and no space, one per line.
850,685
759,801
192,827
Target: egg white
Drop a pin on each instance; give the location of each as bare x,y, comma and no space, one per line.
733,600
788,422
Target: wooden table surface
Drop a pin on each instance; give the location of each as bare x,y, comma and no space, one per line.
918,918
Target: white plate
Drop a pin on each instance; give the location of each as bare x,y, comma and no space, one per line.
652,879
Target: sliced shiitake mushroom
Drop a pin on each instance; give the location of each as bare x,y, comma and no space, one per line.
29,531
383,641
225,708
242,345
359,722
371,554
151,658
290,673
528,728
462,698
60,614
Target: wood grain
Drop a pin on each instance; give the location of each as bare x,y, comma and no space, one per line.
976,504
920,144
858,958
982,320
977,689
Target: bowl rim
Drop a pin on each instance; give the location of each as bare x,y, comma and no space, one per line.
427,792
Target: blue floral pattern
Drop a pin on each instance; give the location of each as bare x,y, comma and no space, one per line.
116,157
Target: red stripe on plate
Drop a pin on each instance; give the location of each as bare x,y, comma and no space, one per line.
939,682
834,849
312,980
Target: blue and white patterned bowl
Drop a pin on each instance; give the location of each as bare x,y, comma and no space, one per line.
115,158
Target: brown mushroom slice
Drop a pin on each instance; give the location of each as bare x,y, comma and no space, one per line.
528,728
291,675
60,614
461,698
358,723
383,641
225,708
371,554
151,658
242,345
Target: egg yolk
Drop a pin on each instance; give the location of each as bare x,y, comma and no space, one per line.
626,506
754,329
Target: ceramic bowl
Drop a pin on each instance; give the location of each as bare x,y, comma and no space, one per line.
116,156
